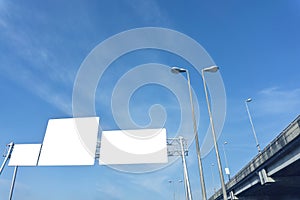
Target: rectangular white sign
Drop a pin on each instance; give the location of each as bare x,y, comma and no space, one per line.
25,155
133,147
70,141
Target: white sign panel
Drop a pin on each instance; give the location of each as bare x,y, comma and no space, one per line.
227,171
25,155
133,147
70,141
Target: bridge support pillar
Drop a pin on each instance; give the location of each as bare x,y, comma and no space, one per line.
264,178
232,196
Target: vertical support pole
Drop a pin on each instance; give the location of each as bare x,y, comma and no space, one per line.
201,174
214,139
226,162
13,183
251,122
10,147
213,177
185,171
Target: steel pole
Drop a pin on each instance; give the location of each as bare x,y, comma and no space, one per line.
253,130
213,177
13,183
7,156
203,189
172,181
226,161
215,140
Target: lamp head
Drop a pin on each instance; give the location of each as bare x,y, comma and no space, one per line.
248,100
213,68
177,70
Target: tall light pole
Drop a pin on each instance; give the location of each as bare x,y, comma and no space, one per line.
214,69
177,70
250,119
174,190
213,176
227,171
179,193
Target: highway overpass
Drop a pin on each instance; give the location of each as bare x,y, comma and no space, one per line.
272,174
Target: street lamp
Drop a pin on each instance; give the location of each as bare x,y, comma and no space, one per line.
227,171
214,69
174,187
174,190
250,119
177,70
179,193
213,176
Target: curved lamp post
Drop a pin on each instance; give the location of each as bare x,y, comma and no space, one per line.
214,69
250,119
177,70
227,171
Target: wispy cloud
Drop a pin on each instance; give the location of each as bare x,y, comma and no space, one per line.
117,189
276,100
110,191
155,183
30,63
149,11
23,189
5,182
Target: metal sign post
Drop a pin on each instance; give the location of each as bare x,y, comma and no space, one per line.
7,156
12,186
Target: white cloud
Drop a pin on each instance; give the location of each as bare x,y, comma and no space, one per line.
275,100
30,63
154,184
5,182
149,11
110,190
49,91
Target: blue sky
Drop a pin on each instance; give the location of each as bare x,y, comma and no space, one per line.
42,44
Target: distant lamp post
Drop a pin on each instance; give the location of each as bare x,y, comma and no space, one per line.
214,69
179,193
173,182
213,176
250,119
227,171
177,70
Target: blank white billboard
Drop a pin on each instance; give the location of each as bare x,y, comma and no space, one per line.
70,141
25,155
133,147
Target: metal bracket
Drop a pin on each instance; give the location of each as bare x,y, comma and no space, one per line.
173,147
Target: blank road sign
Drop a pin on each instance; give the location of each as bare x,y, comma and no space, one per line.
70,141
133,147
25,155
